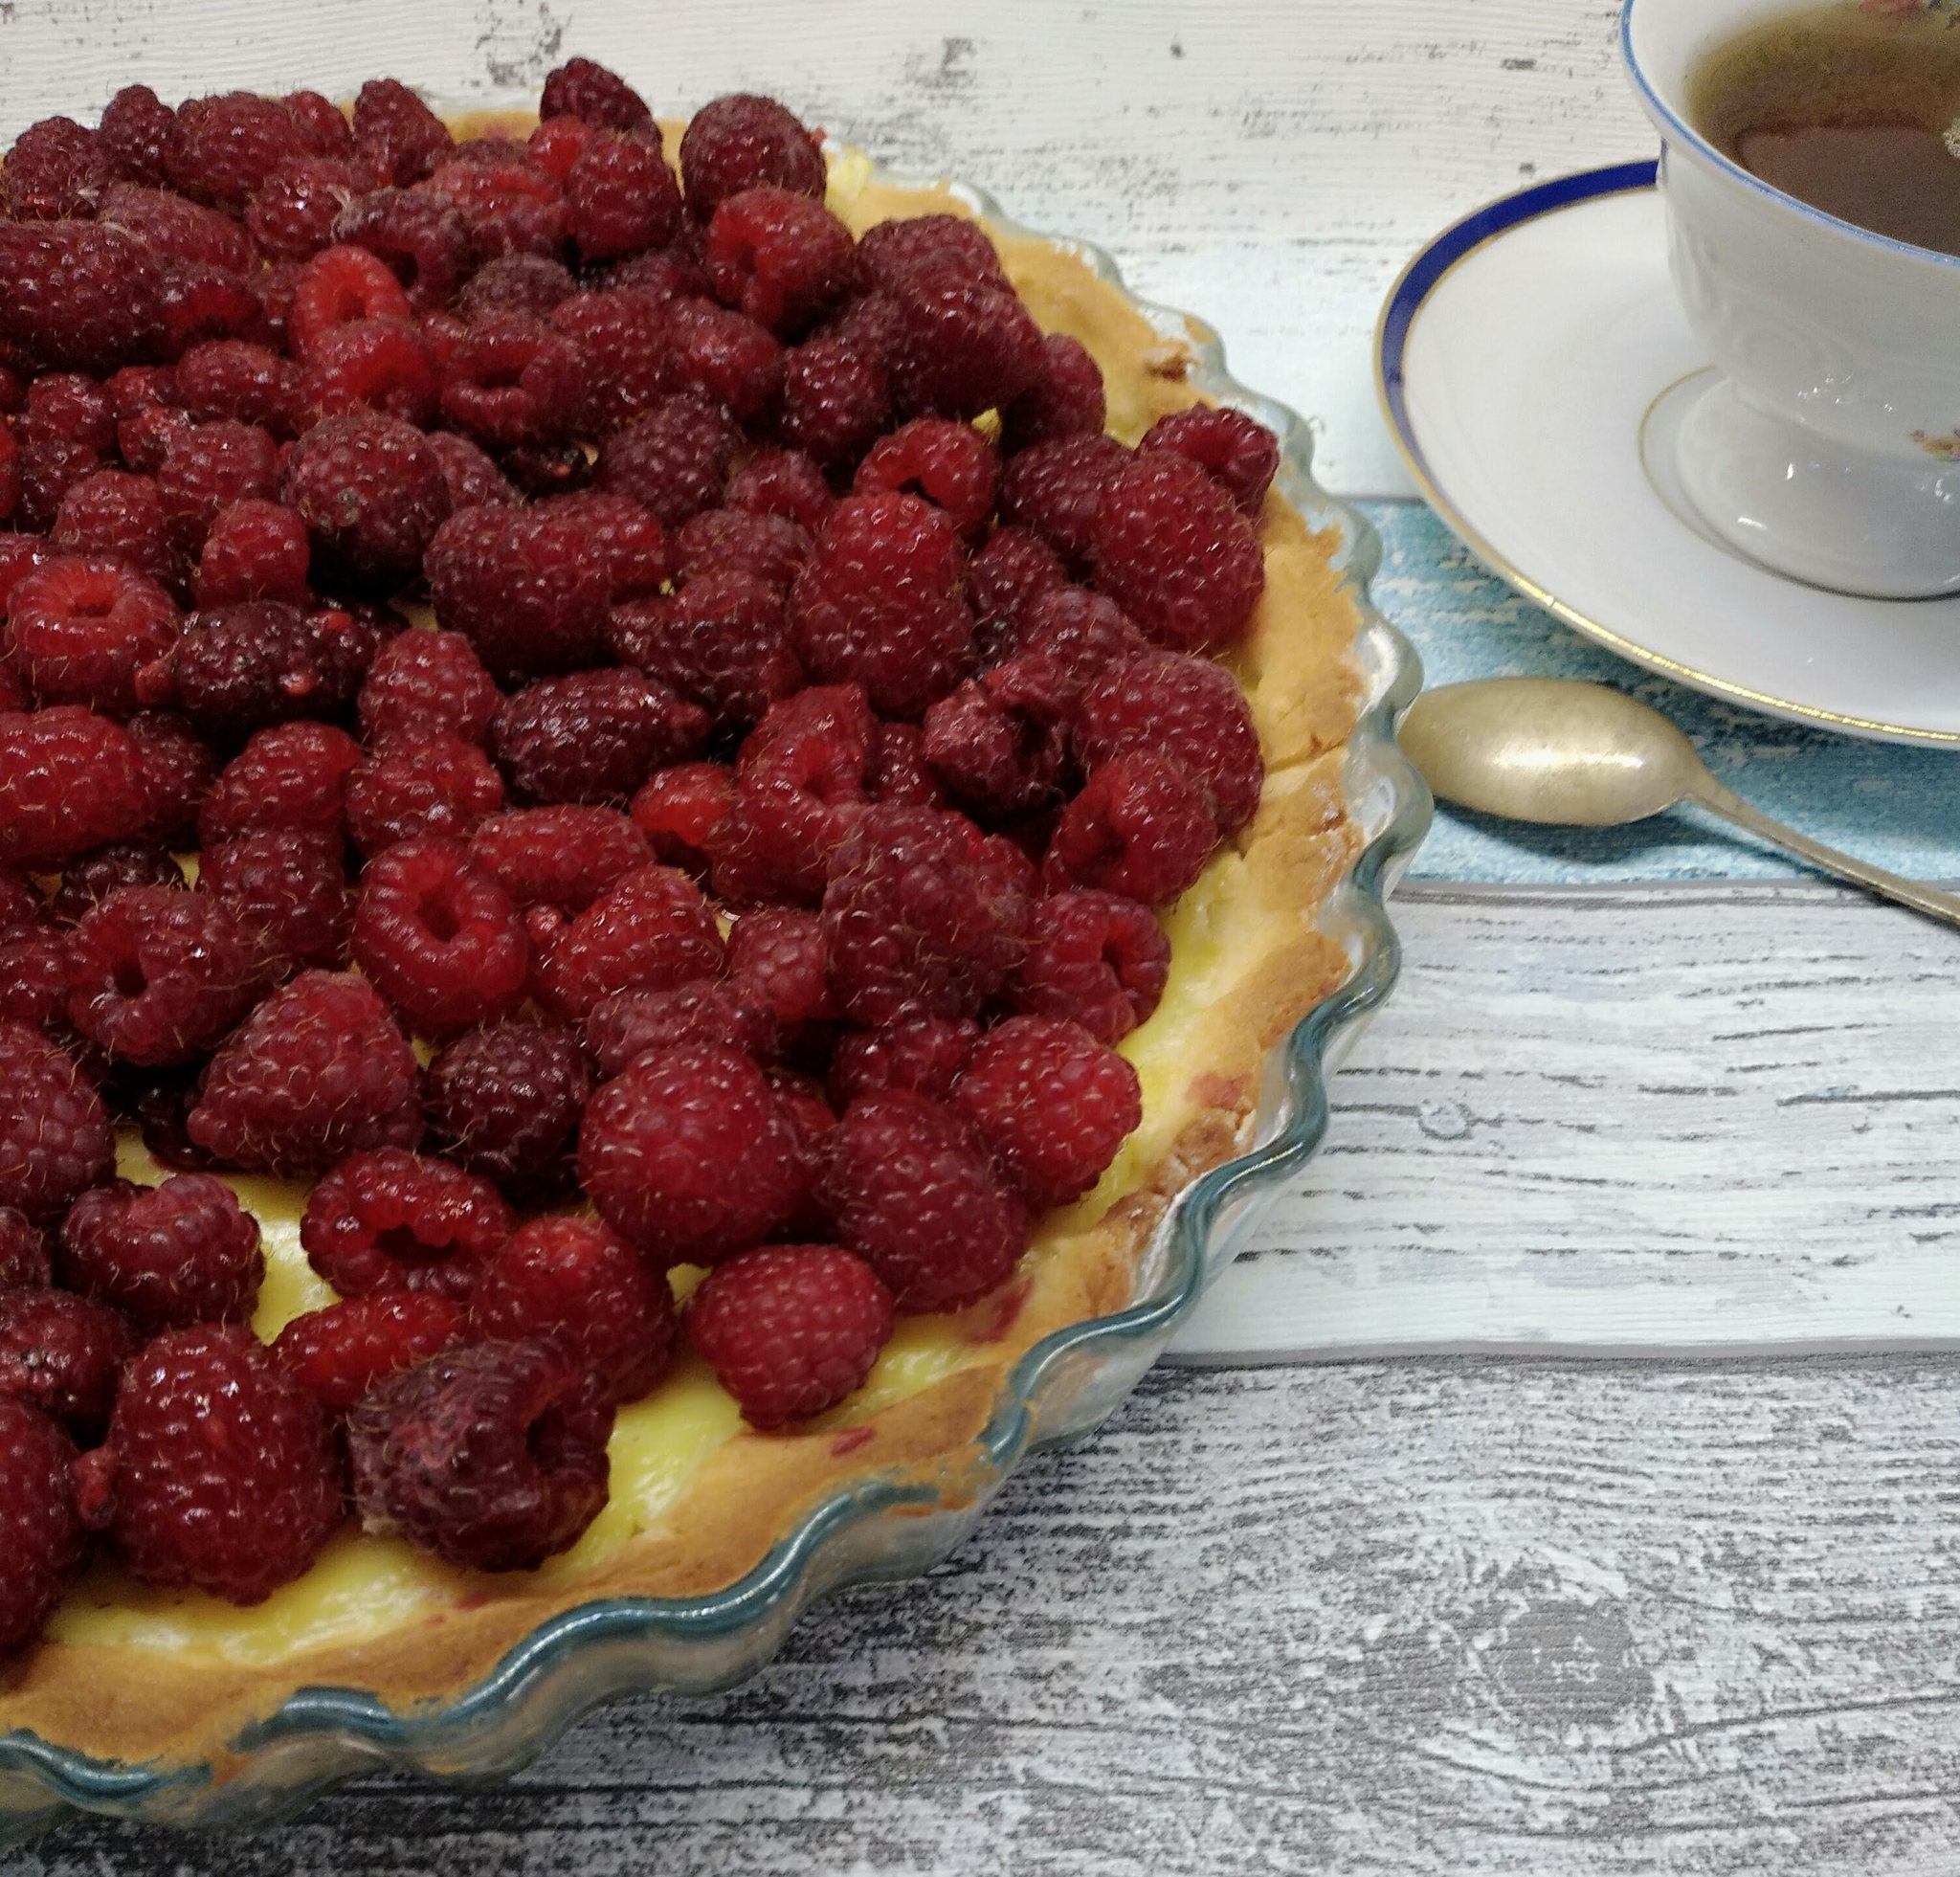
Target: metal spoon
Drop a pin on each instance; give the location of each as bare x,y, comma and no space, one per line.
1557,751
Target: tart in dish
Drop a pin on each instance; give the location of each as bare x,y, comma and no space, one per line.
695,1498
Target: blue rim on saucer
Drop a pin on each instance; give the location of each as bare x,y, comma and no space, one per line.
1420,278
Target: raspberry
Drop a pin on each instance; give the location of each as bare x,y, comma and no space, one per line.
511,207
323,127
672,459
438,937
255,550
178,770
34,979
293,776
723,641
1067,400
66,407
292,212
1142,826
951,464
898,775
46,471
342,1352
917,1055
513,380
1238,452
564,856
923,916
369,492
1096,958
372,367
189,235
1006,577
59,1353
249,384
166,1256
627,540
425,683
688,1156
650,928
492,1455
625,366
790,1330
149,429
880,603
56,169
387,1220
516,283
1052,1103
421,238
156,976
287,885
620,198
670,275
54,1140
137,128
625,1026
771,547
1071,637
80,296
201,301
23,1254
1056,488
1172,550
726,357
997,760
471,477
414,786
219,1472
1181,706
680,808
594,736
837,398
742,141
525,588
916,1199
572,1283
239,668
894,250
397,133
39,1530
111,515
801,777
339,285
69,781
208,468
780,258
782,482
77,629
20,905
582,89
224,146
778,954
505,1100
964,342
317,1071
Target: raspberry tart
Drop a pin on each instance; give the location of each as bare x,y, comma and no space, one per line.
656,795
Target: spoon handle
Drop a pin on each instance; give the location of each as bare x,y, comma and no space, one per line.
1929,900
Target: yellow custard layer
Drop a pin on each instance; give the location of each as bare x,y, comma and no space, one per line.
1244,948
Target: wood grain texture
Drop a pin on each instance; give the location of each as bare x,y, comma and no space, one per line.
1267,163
1449,1619
1666,1116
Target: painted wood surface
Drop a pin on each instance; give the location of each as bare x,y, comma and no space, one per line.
1268,163
1422,1620
1604,1118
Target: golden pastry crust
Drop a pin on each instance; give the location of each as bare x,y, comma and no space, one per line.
1253,920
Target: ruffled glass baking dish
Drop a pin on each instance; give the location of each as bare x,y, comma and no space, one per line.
1061,1390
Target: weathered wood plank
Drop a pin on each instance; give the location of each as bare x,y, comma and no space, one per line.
1267,165
1656,1117
1462,1619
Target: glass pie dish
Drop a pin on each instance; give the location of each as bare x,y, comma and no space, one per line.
872,1527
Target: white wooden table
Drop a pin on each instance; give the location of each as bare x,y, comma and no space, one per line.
1510,1612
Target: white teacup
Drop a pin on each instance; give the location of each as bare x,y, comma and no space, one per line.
1829,448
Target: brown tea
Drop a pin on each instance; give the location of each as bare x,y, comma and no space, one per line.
1855,112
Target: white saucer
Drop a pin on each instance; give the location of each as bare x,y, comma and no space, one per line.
1534,363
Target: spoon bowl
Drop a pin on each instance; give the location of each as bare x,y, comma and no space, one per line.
1571,754
1550,750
